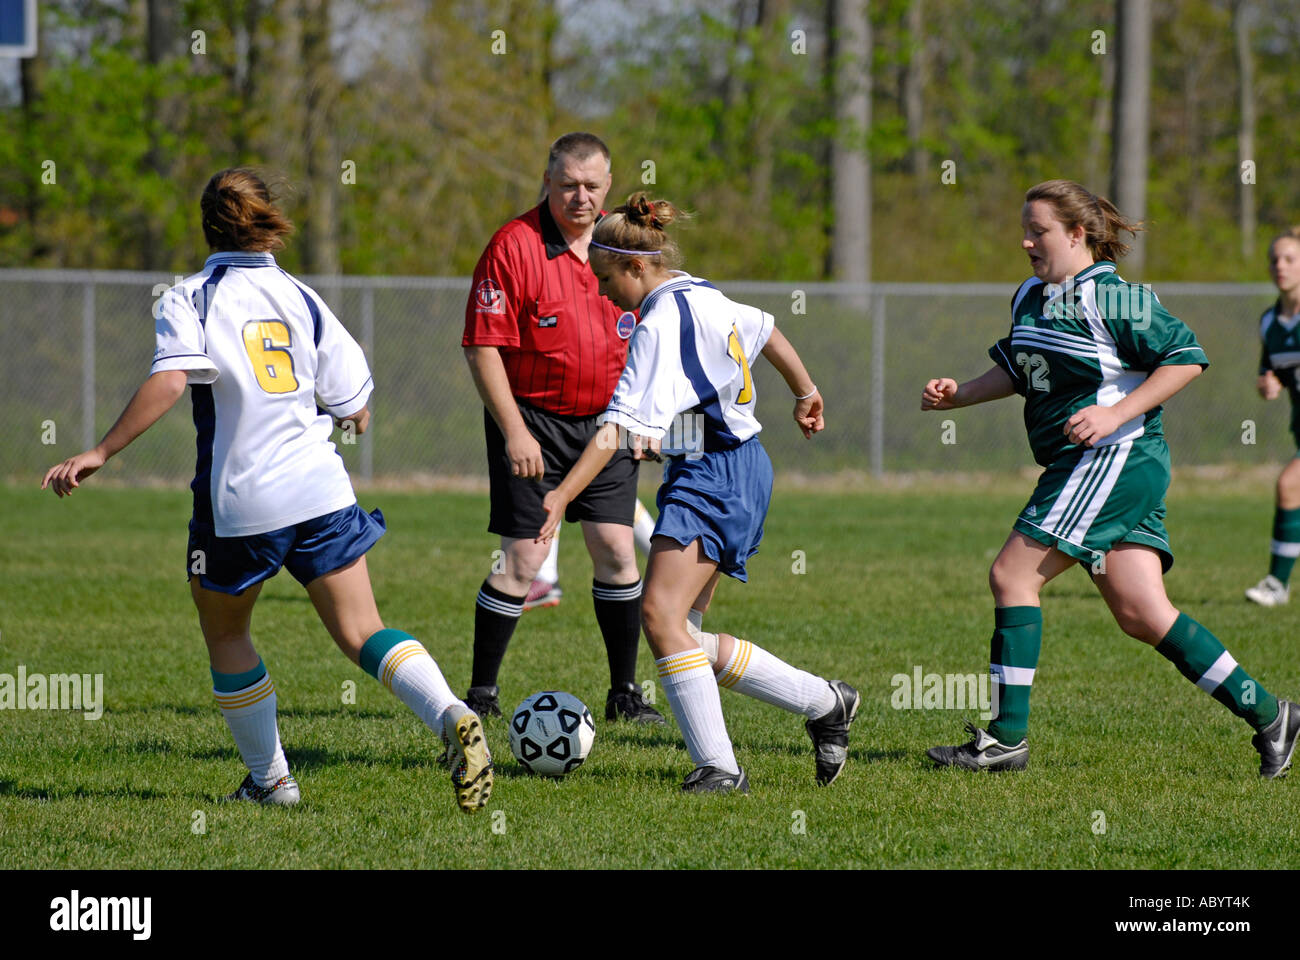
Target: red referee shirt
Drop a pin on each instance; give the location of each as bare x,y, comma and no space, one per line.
559,338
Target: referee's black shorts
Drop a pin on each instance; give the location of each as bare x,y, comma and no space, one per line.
517,503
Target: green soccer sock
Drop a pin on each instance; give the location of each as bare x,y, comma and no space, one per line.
1202,659
1013,657
1286,543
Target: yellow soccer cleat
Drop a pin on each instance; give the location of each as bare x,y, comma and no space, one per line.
470,760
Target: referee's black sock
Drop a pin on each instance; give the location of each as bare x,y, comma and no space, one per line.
495,616
618,611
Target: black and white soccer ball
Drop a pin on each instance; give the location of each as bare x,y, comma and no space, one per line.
551,733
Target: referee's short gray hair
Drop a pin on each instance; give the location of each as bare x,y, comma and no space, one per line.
579,146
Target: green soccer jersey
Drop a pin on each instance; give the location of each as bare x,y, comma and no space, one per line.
1092,341
1280,352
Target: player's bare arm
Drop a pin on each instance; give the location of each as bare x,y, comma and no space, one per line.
1094,423
600,450
155,397
489,374
945,394
1268,385
808,406
360,420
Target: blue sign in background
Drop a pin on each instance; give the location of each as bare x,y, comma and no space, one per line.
13,22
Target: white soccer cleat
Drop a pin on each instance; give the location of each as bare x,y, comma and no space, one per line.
1269,592
283,793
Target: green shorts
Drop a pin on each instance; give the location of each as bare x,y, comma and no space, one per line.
1085,505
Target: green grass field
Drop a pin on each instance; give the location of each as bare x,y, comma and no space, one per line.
894,579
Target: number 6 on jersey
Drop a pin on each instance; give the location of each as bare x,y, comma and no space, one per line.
268,343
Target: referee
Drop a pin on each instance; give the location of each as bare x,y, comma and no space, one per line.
546,351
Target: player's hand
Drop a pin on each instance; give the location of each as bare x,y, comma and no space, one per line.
66,477
1091,424
645,448
808,415
525,455
554,504
938,394
1268,385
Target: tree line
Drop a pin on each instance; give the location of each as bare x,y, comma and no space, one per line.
886,140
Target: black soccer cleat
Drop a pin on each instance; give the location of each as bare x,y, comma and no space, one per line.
830,734
484,700
1276,742
982,753
715,780
626,703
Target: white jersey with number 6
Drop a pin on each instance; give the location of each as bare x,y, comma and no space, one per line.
260,348
690,354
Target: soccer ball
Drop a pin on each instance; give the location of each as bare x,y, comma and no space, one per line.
551,733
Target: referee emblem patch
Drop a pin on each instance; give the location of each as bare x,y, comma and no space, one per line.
626,324
488,297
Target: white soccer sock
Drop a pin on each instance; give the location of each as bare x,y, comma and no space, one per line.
250,715
550,569
414,678
692,692
708,641
756,673
643,528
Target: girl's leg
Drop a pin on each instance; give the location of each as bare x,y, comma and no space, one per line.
1134,589
244,692
345,602
709,642
1022,568
747,668
675,576
1285,546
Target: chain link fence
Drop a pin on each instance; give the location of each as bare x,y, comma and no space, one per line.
78,343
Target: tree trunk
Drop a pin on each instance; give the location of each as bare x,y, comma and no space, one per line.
1129,144
30,70
160,43
320,249
914,88
850,161
771,14
1101,122
1243,18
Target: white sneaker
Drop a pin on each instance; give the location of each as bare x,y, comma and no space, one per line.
1269,592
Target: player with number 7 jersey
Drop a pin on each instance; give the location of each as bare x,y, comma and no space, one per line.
688,393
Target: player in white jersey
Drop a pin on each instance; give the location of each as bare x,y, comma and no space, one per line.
686,393
258,349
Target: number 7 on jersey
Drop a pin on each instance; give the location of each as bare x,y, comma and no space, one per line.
737,353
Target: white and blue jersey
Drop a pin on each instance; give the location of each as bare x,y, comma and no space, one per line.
260,348
687,383
687,380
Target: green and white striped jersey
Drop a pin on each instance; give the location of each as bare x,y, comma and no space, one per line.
1280,352
1090,341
